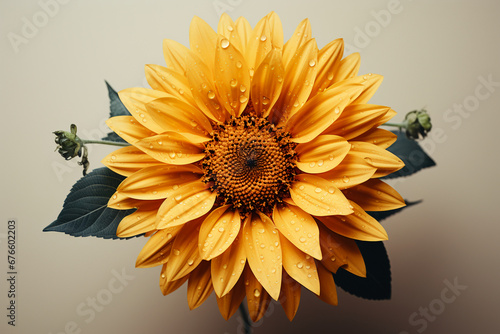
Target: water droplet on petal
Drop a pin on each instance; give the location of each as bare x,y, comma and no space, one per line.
317,190
239,64
263,38
176,251
331,190
302,239
242,88
345,179
312,62
300,265
243,99
320,163
224,43
233,82
211,95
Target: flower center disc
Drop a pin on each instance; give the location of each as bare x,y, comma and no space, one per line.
250,163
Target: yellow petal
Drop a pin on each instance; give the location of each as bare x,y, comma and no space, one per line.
371,83
171,148
297,83
328,62
319,197
258,46
128,128
227,28
135,100
175,55
339,251
375,195
290,296
184,257
128,160
230,302
157,249
390,114
298,227
379,137
199,285
267,83
186,203
262,247
202,39
359,225
139,222
276,29
218,231
167,287
169,81
348,67
158,182
328,292
174,115
383,160
321,154
356,120
232,77
350,172
300,37
300,266
316,115
204,90
227,267
122,202
244,31
257,298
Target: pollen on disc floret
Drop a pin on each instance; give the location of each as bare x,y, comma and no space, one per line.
250,163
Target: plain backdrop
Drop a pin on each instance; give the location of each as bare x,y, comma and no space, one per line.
442,55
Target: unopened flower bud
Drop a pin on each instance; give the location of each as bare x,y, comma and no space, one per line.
418,123
70,146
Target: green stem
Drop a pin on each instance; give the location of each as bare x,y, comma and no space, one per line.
104,142
398,125
246,319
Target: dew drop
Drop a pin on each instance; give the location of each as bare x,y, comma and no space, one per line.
224,43
242,88
330,76
230,28
317,190
221,229
302,239
243,99
337,110
345,179
320,163
256,293
178,198
190,262
300,265
211,95
301,187
239,64
331,190
312,62
233,82
263,38
176,251
312,164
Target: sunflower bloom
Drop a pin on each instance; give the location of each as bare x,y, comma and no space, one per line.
251,165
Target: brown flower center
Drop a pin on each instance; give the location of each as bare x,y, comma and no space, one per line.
250,163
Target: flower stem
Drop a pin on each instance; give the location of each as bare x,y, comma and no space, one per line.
398,125
105,142
246,320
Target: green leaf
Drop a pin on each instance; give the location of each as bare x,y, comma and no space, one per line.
85,212
412,155
377,283
116,109
381,215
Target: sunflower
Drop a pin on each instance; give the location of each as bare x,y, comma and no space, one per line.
251,165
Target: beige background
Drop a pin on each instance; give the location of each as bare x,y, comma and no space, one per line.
431,54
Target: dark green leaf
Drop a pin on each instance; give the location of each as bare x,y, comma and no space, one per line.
85,212
412,155
116,109
381,215
377,283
